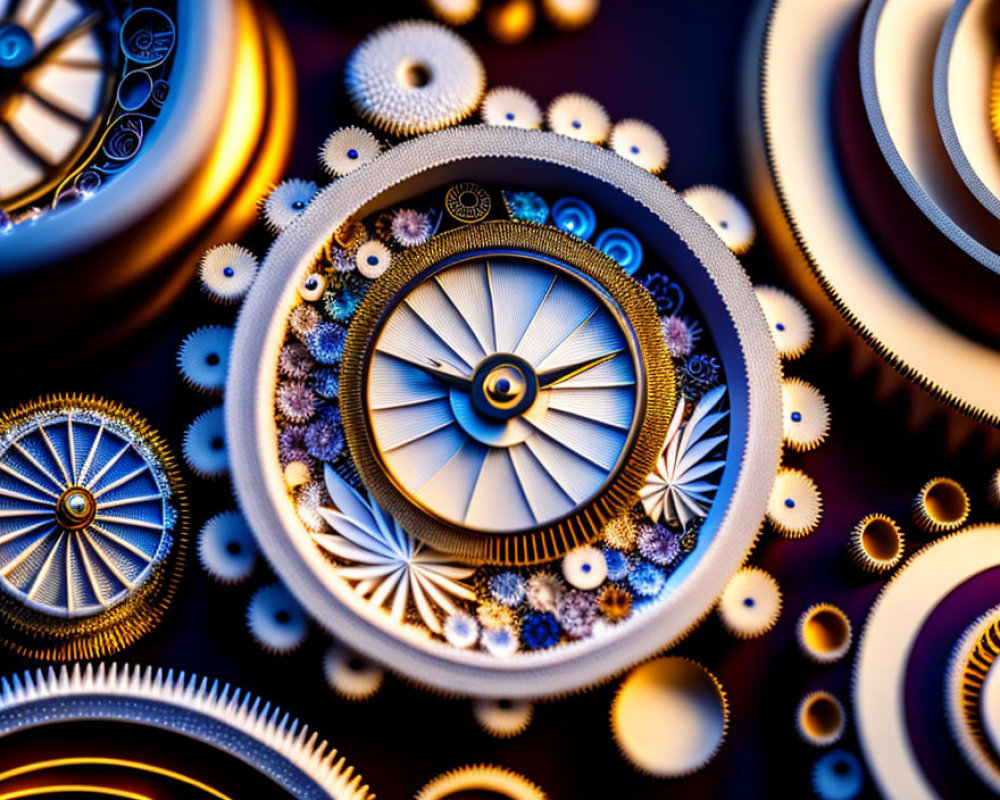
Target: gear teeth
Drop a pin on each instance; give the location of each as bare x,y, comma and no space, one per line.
138,694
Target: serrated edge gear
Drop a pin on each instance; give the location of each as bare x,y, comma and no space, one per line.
481,776
42,637
39,697
860,556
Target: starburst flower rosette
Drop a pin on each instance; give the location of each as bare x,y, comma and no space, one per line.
385,563
93,528
681,487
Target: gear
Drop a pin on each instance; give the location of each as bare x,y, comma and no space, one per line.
372,259
414,77
795,506
727,216
942,504
505,105
824,633
286,202
204,445
669,717
806,415
227,272
790,325
237,723
347,149
503,783
820,719
584,567
640,143
226,548
751,603
275,620
578,117
94,526
503,719
351,676
838,776
203,358
876,544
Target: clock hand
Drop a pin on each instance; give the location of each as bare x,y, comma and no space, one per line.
559,374
444,372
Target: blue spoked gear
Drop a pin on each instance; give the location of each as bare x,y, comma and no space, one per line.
93,527
286,202
203,358
204,445
227,272
838,776
348,148
276,622
226,548
287,754
414,77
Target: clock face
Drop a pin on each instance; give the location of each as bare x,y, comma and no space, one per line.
55,72
503,396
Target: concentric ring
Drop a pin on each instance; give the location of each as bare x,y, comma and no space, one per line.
713,277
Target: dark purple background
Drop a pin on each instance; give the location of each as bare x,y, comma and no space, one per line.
673,64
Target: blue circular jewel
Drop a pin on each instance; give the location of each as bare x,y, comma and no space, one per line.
326,383
539,630
326,342
623,247
526,207
324,438
617,562
572,215
508,588
646,580
16,47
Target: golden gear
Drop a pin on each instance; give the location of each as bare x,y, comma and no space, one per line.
373,332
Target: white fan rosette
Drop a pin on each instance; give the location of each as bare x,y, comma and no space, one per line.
679,489
387,562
